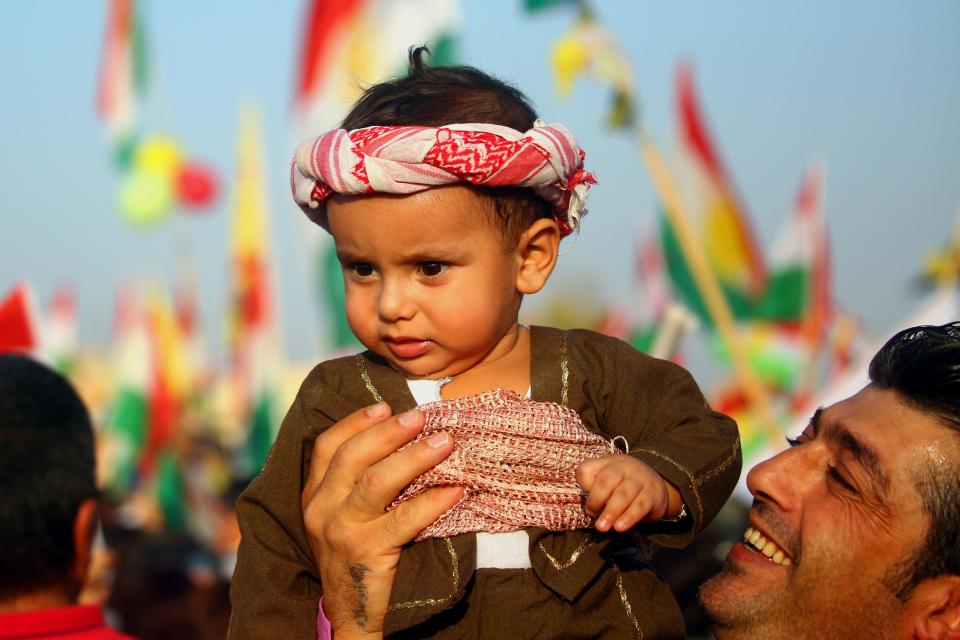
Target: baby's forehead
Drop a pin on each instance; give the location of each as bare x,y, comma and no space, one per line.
437,208
456,202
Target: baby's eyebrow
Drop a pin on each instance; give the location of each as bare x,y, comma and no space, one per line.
345,256
434,254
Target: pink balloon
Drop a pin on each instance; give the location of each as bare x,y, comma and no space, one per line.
196,185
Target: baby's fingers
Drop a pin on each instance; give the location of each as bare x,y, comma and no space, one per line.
606,480
587,472
622,497
636,511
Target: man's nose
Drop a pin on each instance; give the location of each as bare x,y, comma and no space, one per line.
395,302
785,478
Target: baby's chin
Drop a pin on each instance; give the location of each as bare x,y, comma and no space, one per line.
413,370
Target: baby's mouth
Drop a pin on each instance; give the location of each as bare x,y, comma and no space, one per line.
407,348
759,542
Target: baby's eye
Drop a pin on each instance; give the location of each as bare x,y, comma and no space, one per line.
432,269
361,269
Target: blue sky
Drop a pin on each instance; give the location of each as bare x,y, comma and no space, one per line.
872,89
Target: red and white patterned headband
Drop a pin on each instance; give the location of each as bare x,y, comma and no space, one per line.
401,160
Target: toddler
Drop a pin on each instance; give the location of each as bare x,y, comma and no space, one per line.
441,229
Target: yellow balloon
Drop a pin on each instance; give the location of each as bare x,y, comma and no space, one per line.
158,155
144,199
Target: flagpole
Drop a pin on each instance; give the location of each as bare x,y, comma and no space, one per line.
707,284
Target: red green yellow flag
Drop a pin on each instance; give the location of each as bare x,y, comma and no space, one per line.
19,325
254,343
123,75
725,226
799,289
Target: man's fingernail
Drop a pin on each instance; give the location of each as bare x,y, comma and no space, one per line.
409,418
602,524
377,410
438,439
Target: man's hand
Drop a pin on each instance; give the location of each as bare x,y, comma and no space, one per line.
354,475
625,491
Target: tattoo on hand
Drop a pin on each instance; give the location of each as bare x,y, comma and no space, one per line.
357,573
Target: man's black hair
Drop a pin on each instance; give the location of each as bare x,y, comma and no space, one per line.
922,366
46,472
436,96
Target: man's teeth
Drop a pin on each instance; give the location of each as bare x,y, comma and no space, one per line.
768,548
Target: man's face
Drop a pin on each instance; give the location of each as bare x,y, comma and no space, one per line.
429,283
836,513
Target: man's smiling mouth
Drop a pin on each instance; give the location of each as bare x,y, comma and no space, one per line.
753,538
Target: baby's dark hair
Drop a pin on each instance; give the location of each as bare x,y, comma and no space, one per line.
436,96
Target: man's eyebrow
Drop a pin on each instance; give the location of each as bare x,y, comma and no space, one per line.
815,420
865,456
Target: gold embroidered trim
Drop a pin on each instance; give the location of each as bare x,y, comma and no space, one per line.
367,382
626,602
560,566
454,577
564,370
723,465
697,482
694,486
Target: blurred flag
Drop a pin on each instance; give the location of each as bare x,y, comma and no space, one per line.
123,75
656,297
19,322
724,225
169,490
799,287
60,337
535,6
351,44
168,380
847,343
652,274
588,48
328,30
186,309
254,343
615,322
942,268
125,423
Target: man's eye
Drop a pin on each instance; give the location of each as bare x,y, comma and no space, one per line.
362,269
800,439
432,269
839,479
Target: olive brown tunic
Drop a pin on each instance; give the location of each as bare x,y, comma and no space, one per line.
582,584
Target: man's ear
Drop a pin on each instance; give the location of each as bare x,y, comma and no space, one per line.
935,608
536,255
84,529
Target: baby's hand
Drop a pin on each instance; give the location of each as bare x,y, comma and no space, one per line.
625,491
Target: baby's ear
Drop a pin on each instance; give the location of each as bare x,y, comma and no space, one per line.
536,255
